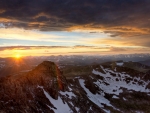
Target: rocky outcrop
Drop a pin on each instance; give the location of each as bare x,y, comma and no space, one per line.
43,90
21,93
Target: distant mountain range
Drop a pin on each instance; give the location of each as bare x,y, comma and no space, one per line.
9,66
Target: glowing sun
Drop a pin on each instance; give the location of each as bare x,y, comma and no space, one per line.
17,56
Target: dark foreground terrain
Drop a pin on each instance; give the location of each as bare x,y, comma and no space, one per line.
112,87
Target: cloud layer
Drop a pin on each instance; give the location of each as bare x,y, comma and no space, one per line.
118,17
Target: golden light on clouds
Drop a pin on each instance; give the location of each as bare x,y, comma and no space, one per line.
51,51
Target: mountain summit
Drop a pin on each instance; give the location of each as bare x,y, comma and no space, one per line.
43,90
48,73
24,93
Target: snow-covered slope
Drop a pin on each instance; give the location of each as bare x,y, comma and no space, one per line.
115,84
112,83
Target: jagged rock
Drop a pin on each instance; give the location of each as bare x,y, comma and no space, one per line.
22,88
38,90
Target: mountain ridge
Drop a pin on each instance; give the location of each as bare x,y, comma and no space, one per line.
44,89
104,88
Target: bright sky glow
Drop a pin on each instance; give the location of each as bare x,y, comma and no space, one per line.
75,27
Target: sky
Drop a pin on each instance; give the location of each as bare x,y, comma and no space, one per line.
68,27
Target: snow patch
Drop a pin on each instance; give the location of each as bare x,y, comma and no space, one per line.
61,107
116,83
120,64
124,99
77,109
115,97
97,98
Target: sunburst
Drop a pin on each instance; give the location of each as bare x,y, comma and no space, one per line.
17,56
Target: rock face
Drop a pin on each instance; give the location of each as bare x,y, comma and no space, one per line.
22,93
44,89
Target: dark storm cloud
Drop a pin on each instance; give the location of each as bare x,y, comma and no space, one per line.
118,17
